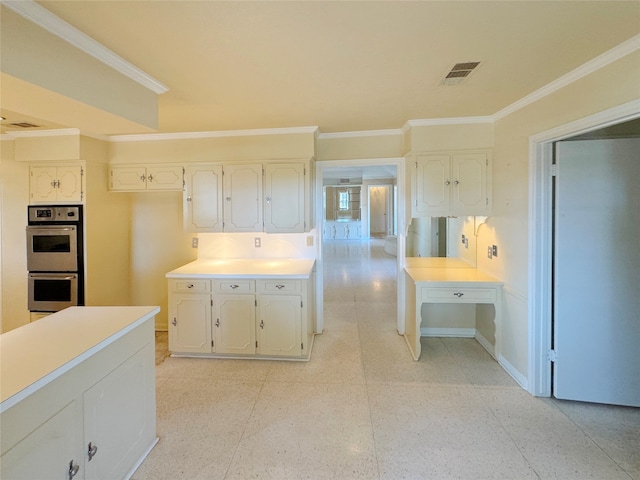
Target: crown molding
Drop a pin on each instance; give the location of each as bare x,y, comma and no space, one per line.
358,134
58,132
610,56
428,122
55,25
152,137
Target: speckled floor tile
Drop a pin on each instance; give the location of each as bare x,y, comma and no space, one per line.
319,431
553,444
441,432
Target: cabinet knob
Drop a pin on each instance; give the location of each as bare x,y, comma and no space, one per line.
174,322
228,199
217,322
457,182
233,287
447,182
458,294
279,287
191,285
142,178
91,450
268,199
73,469
150,178
261,323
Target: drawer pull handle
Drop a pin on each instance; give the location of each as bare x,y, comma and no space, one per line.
92,450
233,286
191,285
458,294
279,287
73,469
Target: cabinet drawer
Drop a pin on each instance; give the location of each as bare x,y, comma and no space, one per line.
234,286
459,295
278,286
190,285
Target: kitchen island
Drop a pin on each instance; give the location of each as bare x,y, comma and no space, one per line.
259,308
78,394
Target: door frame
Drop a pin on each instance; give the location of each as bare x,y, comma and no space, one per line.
540,238
401,212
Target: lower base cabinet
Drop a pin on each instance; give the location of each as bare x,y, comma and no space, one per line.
261,318
105,427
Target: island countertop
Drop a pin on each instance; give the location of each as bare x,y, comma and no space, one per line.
37,353
245,268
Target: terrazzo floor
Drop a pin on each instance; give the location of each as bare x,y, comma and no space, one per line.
363,409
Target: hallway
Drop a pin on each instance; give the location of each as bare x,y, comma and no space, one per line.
363,409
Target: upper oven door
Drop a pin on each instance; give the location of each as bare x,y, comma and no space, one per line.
52,248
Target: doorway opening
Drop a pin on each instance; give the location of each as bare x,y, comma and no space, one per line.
541,237
387,172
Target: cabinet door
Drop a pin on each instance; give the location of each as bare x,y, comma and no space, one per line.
469,194
190,323
284,198
128,178
432,185
42,184
119,417
69,184
279,328
203,199
164,178
48,451
243,198
234,323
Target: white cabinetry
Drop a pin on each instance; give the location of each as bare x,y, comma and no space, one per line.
340,230
56,183
96,420
252,197
242,186
190,316
285,186
451,184
234,319
203,198
132,178
251,317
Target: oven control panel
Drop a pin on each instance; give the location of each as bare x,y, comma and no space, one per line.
58,214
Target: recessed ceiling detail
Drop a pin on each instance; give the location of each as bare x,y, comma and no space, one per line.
459,72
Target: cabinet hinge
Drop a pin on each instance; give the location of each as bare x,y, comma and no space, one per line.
212,302
301,305
256,344
211,343
552,356
486,162
486,201
554,170
302,346
256,302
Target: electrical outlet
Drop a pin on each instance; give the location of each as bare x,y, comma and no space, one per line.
463,239
257,242
490,252
309,241
466,243
194,242
494,250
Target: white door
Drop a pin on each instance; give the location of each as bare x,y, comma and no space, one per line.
597,272
378,210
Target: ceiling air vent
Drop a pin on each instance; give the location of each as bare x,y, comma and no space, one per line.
24,125
459,72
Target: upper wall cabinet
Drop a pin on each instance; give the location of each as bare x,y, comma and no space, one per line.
135,178
56,183
202,210
451,184
269,197
285,185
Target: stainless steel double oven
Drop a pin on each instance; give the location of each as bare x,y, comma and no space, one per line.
55,257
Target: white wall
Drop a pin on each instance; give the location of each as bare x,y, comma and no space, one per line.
14,187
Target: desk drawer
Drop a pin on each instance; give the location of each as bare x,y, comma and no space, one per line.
459,295
278,286
234,286
190,285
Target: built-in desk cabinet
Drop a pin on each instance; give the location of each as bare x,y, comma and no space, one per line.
56,183
450,184
260,318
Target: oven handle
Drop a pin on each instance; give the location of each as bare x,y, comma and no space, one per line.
52,275
49,227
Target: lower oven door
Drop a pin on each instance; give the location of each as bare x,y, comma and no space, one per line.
51,292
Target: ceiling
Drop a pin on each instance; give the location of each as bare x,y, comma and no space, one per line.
345,65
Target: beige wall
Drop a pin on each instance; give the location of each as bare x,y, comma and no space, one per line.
331,147
14,189
507,227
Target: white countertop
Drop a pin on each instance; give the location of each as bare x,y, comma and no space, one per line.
33,355
245,268
446,270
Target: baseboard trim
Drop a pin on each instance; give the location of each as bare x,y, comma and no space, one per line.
448,332
486,344
513,373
